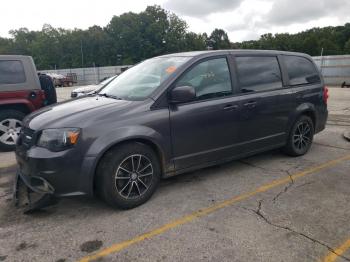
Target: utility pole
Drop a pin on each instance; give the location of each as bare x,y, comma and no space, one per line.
82,53
321,66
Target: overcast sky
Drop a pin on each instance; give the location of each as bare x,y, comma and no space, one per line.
242,19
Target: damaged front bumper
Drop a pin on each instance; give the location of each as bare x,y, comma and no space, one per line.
32,192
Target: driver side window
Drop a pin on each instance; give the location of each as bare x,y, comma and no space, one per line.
210,79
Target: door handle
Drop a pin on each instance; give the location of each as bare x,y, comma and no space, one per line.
250,104
230,107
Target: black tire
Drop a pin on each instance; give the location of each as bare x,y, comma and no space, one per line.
300,137
112,179
5,115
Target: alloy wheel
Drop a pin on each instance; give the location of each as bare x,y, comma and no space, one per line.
9,131
302,136
133,177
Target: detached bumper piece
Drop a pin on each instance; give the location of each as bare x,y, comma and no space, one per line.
32,193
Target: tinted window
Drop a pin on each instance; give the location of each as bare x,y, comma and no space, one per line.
210,79
11,72
301,70
258,73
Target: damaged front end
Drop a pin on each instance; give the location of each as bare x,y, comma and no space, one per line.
32,193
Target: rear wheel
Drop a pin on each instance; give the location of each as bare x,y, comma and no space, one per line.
128,175
10,126
300,137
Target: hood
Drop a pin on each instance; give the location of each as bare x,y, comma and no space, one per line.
77,113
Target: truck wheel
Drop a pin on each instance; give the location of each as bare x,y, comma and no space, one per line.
300,137
128,175
10,126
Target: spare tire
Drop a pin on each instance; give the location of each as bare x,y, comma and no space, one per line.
48,87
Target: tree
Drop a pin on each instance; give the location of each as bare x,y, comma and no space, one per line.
133,37
6,46
220,39
194,42
347,47
175,34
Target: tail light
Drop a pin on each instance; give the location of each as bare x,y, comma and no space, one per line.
325,94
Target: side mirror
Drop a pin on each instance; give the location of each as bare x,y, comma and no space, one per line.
182,94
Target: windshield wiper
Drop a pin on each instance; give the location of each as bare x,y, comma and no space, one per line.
109,96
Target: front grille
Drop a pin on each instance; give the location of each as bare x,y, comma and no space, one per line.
74,94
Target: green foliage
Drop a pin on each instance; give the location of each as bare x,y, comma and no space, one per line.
333,40
220,39
133,37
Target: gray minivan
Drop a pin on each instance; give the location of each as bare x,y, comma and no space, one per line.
169,115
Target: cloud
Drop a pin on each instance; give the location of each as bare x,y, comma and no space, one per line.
198,8
286,12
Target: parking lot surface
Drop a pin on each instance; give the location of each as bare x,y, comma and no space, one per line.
269,207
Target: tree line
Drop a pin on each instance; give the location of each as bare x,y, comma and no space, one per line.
133,37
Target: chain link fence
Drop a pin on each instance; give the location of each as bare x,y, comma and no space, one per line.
90,75
335,69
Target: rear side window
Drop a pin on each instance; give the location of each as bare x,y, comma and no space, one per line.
11,72
301,70
258,73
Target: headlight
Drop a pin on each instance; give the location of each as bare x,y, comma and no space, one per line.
58,139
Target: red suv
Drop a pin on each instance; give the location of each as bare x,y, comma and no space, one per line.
20,94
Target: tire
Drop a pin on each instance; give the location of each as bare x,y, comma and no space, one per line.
123,185
48,86
300,137
10,125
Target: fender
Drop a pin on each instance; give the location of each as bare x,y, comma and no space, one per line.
31,99
22,101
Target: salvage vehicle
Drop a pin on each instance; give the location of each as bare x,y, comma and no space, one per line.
169,115
84,90
62,81
21,92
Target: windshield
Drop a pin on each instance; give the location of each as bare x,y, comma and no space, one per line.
140,81
106,81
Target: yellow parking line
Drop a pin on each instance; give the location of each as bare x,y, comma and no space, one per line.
332,256
205,211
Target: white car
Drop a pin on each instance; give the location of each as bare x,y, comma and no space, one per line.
81,91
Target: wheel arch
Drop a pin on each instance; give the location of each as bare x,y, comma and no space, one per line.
21,107
307,109
310,114
139,139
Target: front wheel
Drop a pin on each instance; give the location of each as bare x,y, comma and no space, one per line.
128,175
300,137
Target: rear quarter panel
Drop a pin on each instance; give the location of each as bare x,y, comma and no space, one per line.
28,93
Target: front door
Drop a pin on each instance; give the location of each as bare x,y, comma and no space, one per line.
205,130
